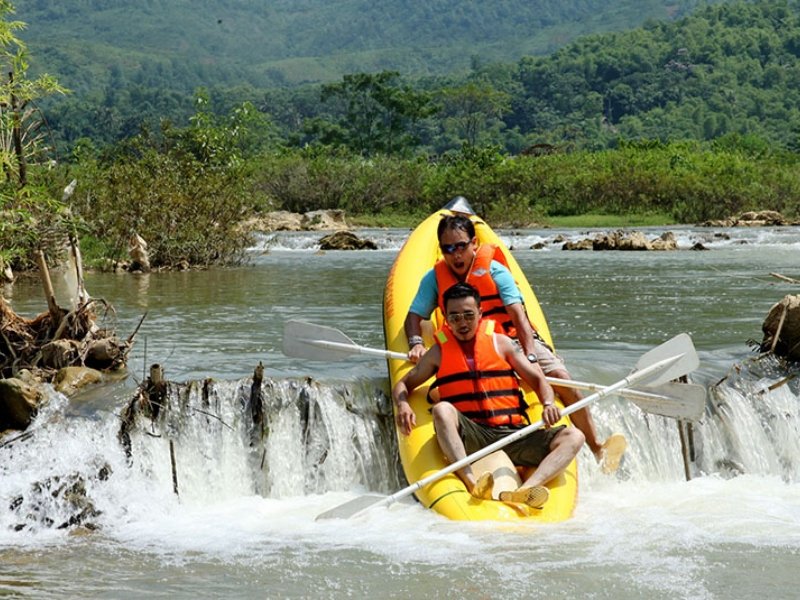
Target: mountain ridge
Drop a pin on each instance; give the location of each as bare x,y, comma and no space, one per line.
307,41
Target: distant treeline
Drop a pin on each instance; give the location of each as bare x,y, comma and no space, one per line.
188,196
185,44
692,121
727,68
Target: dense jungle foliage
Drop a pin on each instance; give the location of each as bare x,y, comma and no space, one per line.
690,120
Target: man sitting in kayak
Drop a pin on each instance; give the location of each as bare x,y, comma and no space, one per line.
480,401
501,301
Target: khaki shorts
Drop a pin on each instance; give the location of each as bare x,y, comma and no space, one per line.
549,361
526,452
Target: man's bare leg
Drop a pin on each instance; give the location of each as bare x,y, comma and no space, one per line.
582,419
563,449
609,452
445,422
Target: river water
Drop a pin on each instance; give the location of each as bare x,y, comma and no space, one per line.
242,523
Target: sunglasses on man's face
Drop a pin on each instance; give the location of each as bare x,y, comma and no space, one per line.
455,317
451,248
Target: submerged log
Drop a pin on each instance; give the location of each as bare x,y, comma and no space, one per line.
784,278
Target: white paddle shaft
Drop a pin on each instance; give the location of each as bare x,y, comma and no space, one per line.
650,371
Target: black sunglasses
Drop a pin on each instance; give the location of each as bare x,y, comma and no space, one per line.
450,248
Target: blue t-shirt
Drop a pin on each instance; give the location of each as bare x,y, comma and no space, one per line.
427,296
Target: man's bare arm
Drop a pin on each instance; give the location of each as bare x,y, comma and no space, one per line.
533,375
406,419
523,326
413,329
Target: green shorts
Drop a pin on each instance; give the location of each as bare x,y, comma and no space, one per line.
526,452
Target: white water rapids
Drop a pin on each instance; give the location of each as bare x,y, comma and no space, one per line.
242,523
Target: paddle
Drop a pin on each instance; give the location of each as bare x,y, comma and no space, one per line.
674,359
682,401
670,360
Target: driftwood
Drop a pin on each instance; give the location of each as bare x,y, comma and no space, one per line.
63,347
60,338
784,278
140,259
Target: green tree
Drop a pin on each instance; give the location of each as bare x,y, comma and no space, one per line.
30,218
472,108
375,113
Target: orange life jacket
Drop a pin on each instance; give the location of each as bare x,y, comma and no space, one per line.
480,278
489,392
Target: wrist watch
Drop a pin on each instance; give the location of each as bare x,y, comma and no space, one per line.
532,358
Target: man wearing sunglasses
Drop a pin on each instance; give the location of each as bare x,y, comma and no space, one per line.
470,413
464,261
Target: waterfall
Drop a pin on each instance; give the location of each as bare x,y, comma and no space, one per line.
315,437
753,422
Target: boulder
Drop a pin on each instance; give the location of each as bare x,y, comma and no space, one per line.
783,322
633,241
585,244
753,218
345,240
761,218
623,240
317,220
70,379
666,241
19,403
313,220
279,220
620,240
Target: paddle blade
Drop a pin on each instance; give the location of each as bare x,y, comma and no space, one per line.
307,340
683,401
681,345
352,507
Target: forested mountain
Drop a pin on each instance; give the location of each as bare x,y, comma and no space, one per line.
183,44
731,68
726,68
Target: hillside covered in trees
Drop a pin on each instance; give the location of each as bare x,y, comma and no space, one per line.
183,44
684,120
726,68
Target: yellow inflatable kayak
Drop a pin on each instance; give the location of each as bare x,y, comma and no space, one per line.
419,452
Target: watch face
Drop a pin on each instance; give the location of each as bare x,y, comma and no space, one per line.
532,357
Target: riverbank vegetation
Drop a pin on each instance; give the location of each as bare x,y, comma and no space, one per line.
681,122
